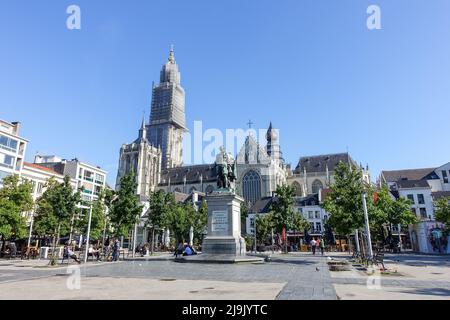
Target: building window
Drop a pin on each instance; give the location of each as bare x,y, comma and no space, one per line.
6,161
411,198
444,176
318,226
88,176
317,214
316,186
99,178
420,199
310,215
423,213
97,190
298,189
40,186
192,189
8,143
251,187
413,210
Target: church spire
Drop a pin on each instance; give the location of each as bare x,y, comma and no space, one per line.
143,129
171,55
273,147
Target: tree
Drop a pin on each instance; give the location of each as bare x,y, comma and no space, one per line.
244,214
55,208
15,199
199,221
344,202
160,204
265,223
388,212
282,209
442,213
178,222
125,209
299,223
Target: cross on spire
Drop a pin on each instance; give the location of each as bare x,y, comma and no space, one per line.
250,123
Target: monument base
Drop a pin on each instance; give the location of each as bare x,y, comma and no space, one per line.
224,245
218,258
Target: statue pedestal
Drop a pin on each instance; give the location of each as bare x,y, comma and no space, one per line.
223,243
224,225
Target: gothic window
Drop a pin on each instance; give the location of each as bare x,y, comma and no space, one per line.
316,186
251,186
209,189
177,190
298,189
192,189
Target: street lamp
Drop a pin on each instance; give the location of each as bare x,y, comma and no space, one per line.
254,227
366,218
88,231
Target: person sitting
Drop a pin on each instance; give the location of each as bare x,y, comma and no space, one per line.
92,252
187,251
179,250
70,254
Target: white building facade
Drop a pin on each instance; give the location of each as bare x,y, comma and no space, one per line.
12,149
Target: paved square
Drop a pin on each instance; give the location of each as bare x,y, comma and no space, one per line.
296,276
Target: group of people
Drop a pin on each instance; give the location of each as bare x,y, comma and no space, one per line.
184,249
111,251
317,245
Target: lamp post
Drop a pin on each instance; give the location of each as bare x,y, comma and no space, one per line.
254,227
88,231
366,218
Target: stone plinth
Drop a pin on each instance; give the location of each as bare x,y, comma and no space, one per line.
223,242
224,225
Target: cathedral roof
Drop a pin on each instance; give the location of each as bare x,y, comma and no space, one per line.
191,173
319,163
251,152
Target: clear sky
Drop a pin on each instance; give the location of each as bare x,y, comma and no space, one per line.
311,67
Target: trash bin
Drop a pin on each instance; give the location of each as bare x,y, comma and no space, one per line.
43,254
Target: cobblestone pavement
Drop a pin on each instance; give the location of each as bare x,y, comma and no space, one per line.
302,277
411,276
298,276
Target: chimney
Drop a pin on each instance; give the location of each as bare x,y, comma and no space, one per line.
17,126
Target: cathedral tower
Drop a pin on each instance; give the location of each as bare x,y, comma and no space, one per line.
167,116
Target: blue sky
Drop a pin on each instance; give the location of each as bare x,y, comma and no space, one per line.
312,67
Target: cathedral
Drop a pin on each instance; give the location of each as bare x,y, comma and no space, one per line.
156,155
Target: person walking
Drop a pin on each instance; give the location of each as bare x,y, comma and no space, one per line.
116,248
313,246
322,246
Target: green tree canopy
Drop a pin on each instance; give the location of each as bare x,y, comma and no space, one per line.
125,209
344,202
56,207
265,223
442,213
282,208
15,199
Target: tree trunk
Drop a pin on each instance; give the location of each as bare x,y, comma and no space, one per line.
153,240
348,244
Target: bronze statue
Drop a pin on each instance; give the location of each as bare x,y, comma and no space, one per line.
225,170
